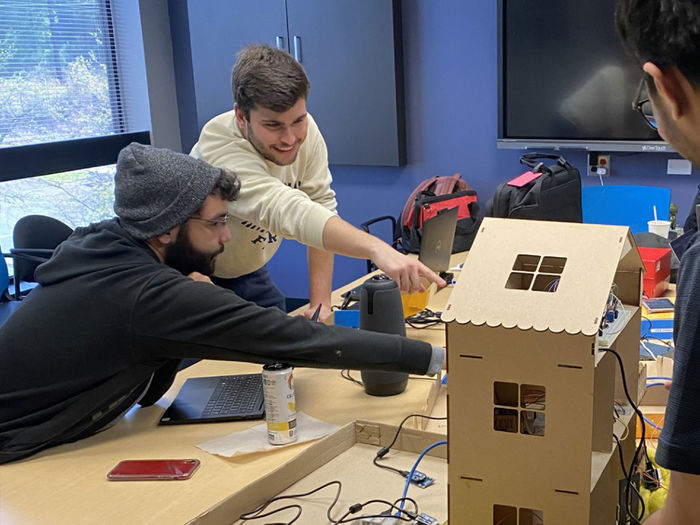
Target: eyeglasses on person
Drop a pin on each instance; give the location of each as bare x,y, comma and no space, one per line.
643,104
219,222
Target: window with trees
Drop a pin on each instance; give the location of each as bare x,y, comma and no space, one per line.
66,84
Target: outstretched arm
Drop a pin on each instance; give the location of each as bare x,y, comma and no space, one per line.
343,238
176,317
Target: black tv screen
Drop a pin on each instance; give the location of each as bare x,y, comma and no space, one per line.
565,80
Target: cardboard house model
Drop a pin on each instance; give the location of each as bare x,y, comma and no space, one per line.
532,400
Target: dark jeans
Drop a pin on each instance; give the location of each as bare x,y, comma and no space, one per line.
256,287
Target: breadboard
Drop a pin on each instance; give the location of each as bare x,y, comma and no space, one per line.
606,339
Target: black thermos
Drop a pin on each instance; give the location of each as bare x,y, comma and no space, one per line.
381,311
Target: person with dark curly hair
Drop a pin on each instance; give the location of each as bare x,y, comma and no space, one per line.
664,38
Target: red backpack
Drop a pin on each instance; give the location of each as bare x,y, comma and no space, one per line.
429,198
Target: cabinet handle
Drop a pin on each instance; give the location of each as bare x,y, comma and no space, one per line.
297,48
279,42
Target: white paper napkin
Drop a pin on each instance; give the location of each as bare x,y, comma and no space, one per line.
255,438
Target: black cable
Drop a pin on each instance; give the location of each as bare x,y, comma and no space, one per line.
404,515
384,450
422,326
629,483
345,374
425,318
398,430
256,513
648,331
265,515
402,473
415,505
635,458
346,302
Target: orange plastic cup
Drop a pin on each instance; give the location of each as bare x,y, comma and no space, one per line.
417,301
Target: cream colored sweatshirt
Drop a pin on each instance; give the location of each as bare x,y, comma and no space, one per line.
275,202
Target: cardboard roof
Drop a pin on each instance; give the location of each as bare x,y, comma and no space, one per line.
577,261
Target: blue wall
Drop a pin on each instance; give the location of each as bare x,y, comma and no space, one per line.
450,74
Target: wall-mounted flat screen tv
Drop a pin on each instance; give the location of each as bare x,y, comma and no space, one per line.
565,81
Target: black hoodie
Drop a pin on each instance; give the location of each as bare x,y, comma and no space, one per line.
110,321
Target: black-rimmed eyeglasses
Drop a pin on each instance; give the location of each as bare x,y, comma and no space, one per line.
219,222
643,105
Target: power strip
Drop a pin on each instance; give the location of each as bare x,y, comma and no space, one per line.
610,332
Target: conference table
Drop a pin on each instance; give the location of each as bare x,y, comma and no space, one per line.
68,484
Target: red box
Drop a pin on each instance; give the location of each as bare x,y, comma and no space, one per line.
657,263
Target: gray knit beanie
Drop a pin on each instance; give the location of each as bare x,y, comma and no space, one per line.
157,189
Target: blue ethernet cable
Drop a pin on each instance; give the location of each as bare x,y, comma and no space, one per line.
650,422
413,470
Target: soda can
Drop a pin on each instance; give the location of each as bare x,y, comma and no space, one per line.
280,403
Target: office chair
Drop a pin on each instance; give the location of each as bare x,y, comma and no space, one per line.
7,305
396,235
35,238
4,278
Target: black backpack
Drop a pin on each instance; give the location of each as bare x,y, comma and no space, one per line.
551,193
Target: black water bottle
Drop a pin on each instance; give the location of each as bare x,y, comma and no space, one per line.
381,311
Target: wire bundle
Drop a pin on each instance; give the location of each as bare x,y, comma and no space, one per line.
424,319
260,511
642,445
397,506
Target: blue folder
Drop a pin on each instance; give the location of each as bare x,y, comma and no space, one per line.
629,206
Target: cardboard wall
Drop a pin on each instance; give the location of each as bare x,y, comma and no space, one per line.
551,473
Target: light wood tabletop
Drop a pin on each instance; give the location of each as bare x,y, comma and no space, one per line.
68,484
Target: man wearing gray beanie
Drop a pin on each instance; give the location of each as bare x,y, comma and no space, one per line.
122,302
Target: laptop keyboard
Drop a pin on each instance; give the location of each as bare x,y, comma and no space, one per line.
240,394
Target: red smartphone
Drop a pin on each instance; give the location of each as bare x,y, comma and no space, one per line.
153,469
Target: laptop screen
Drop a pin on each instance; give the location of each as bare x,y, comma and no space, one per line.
436,241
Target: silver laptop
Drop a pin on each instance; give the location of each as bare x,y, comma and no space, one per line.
437,238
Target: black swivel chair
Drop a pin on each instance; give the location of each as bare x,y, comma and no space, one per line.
396,235
35,237
7,305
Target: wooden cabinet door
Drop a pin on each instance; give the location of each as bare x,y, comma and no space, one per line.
209,34
351,50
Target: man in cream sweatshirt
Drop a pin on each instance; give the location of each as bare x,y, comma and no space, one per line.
277,151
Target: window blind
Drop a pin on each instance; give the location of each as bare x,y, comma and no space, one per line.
59,77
